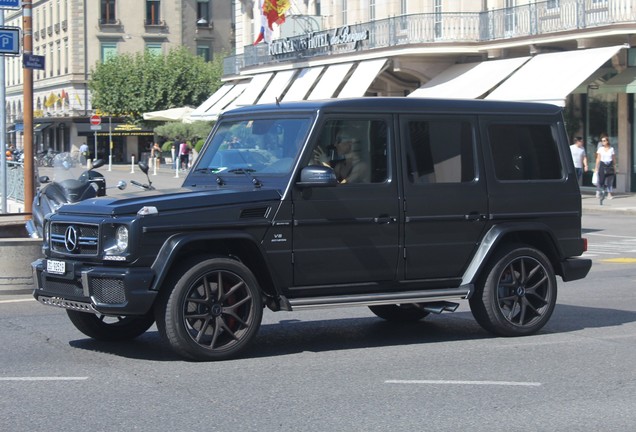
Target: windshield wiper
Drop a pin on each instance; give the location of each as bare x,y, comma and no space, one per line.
247,171
219,180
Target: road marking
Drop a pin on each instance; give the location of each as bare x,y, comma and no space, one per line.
453,382
623,260
17,300
43,378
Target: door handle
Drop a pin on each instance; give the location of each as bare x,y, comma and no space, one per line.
475,216
384,220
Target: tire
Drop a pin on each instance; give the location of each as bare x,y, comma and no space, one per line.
213,312
399,312
105,328
516,294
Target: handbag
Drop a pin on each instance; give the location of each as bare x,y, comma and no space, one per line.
595,178
608,169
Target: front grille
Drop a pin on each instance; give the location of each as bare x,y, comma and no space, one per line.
63,287
109,291
87,236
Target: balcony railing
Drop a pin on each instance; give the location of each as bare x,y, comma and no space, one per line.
534,19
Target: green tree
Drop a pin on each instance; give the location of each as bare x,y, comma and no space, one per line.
189,132
128,85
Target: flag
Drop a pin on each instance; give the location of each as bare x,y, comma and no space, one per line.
272,12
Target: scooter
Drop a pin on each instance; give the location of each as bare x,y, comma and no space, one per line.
53,194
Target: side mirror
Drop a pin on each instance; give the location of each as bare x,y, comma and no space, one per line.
44,179
143,166
317,176
98,163
121,185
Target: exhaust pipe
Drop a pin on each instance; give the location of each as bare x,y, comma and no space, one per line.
439,307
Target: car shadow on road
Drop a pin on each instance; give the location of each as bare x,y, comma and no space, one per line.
295,336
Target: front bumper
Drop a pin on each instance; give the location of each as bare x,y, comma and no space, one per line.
97,289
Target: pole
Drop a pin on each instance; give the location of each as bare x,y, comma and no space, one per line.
95,155
3,131
110,143
27,91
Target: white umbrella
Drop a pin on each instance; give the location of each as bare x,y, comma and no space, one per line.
181,114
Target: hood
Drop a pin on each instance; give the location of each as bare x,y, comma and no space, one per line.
169,200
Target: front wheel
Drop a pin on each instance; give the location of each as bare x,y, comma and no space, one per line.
107,328
517,293
213,312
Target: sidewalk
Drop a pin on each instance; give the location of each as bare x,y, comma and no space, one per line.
624,203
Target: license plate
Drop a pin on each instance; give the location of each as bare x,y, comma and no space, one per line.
56,267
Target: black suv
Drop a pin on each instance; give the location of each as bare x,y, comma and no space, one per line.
403,205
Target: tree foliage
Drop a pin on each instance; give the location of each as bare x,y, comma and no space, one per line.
190,132
128,85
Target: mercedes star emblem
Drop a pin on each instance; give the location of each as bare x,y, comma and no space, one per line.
70,238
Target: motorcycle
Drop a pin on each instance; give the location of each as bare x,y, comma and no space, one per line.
65,189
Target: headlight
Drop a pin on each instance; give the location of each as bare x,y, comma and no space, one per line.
117,245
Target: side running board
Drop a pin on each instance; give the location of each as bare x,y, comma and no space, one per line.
428,296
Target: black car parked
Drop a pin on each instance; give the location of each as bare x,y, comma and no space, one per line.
403,205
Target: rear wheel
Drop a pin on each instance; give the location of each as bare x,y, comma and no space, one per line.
517,293
213,312
399,312
107,328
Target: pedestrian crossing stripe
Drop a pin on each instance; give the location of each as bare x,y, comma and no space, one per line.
620,260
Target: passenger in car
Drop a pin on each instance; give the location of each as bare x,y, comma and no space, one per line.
345,161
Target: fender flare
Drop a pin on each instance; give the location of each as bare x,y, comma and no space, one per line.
492,239
173,245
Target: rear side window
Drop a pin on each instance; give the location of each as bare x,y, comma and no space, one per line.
440,151
524,152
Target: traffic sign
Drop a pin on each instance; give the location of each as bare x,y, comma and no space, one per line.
32,61
9,40
14,4
96,120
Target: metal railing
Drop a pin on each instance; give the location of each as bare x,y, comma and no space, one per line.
15,181
540,18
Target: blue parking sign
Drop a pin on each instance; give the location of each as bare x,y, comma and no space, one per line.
10,4
9,40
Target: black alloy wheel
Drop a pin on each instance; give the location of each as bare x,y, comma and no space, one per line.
213,312
517,294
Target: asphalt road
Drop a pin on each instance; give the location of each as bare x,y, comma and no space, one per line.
345,369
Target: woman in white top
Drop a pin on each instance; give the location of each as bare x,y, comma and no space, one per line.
605,167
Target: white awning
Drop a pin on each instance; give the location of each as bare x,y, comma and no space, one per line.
330,81
252,91
469,80
551,77
362,77
212,113
277,86
303,82
216,96
625,82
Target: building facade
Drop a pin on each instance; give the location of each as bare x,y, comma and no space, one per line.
73,35
575,53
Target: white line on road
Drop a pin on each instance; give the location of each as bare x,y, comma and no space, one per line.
453,382
43,378
17,300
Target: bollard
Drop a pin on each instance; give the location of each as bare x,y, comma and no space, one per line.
132,164
110,162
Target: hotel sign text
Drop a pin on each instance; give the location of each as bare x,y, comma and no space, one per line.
312,41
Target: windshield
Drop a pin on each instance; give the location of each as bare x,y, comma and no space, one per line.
257,147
